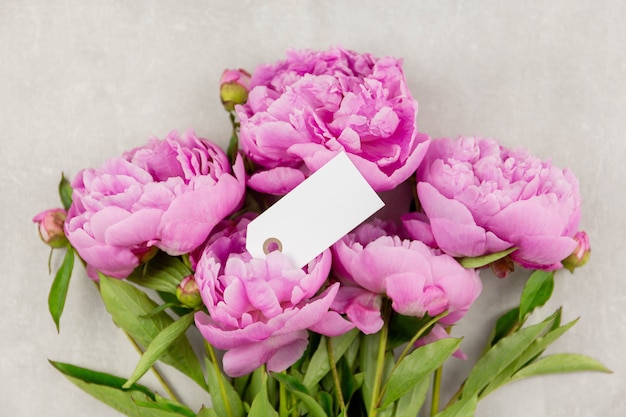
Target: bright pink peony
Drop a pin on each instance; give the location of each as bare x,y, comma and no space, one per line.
304,110
260,309
372,264
482,198
168,194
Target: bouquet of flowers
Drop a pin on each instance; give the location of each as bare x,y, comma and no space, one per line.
362,328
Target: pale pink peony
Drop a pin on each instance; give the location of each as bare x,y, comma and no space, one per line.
51,224
417,279
304,110
168,194
482,198
260,309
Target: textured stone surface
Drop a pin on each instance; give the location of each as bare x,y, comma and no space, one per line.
82,81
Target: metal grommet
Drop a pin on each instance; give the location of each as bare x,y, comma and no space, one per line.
272,244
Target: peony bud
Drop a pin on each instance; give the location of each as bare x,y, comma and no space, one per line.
234,87
580,256
502,267
51,227
188,293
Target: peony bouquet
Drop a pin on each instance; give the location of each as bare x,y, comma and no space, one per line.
363,329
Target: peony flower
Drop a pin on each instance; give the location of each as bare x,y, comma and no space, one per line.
234,87
482,198
187,292
168,194
417,279
50,224
581,253
304,110
260,309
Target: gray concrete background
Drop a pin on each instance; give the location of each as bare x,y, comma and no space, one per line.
82,81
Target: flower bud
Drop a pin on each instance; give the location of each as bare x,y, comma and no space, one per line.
580,256
502,267
188,293
51,227
234,87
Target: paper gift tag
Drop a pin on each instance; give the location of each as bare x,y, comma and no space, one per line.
314,215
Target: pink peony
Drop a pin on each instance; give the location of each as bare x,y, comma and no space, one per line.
168,194
581,253
372,264
260,309
304,110
51,224
482,198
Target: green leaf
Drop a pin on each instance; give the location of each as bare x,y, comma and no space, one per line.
159,346
164,404
410,404
253,387
480,261
320,362
130,308
60,285
466,407
403,328
367,361
561,363
291,383
505,325
536,293
160,308
233,147
65,192
225,399
207,412
532,352
348,382
108,389
415,367
98,378
300,392
161,273
326,401
261,406
501,355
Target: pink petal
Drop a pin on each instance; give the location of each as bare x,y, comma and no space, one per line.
276,181
418,228
453,226
332,324
140,227
279,352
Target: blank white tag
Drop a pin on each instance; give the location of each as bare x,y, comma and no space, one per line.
314,215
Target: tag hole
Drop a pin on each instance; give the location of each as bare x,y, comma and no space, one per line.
271,245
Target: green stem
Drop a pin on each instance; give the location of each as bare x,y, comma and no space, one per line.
380,360
410,345
333,368
283,409
434,404
50,261
436,394
219,375
456,396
